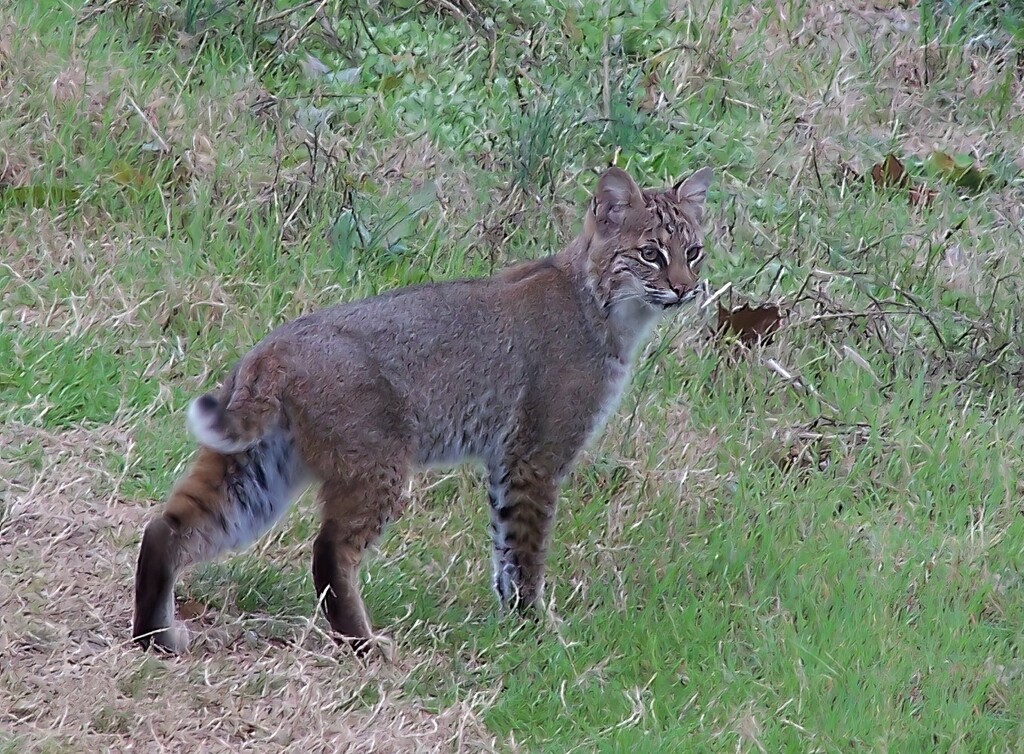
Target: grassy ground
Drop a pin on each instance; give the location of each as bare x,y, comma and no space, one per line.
814,545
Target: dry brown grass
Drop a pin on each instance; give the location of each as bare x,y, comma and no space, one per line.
71,680
877,94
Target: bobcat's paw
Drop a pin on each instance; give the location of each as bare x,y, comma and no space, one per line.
173,639
377,646
384,647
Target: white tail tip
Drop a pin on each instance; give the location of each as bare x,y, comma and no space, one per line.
202,423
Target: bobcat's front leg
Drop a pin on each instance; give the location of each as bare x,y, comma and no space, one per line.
522,502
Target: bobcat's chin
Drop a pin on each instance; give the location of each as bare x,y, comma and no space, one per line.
686,298
665,303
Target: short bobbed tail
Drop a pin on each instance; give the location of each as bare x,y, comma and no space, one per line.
206,425
246,408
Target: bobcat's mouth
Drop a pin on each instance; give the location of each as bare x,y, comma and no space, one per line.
675,301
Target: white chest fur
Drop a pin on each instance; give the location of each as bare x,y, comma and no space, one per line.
618,378
632,321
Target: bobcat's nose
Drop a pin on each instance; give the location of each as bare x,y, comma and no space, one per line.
680,281
685,294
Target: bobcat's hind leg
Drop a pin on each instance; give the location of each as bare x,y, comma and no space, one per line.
190,530
223,502
354,515
161,557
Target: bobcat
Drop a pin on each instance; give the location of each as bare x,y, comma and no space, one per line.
517,371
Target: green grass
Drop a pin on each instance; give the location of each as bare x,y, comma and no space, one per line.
742,563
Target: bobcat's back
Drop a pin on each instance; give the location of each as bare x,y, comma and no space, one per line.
465,358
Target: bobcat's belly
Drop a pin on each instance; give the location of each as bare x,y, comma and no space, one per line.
454,431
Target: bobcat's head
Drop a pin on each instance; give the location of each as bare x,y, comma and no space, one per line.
645,247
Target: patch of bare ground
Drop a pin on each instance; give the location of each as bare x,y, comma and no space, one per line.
70,677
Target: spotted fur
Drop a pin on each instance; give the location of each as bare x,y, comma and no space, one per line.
516,372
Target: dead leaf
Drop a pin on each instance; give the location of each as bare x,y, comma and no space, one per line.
68,84
955,264
313,67
125,175
202,158
191,609
848,174
7,34
804,455
653,93
750,325
347,76
921,196
890,172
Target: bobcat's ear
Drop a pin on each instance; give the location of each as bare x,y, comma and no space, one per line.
616,193
694,190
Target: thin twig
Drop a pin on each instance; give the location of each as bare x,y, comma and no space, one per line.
715,296
302,29
796,383
287,12
90,13
152,129
191,69
606,94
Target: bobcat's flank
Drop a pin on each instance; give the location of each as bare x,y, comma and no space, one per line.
516,371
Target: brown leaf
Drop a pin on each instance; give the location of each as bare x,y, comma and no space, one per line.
921,196
804,455
68,84
653,93
750,325
847,175
890,172
191,609
957,266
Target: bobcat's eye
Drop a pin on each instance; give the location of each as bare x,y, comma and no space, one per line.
651,254
694,253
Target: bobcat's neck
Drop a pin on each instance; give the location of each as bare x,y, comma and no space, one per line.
623,324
